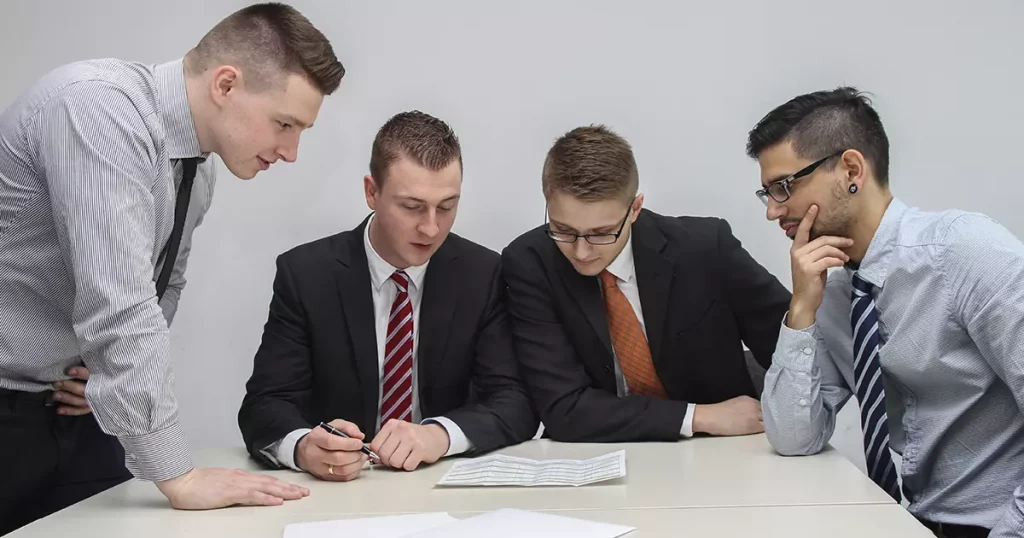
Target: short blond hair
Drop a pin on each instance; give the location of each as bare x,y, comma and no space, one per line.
591,163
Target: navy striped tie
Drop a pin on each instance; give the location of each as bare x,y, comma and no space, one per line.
868,376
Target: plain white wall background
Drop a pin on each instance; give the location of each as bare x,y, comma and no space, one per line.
682,81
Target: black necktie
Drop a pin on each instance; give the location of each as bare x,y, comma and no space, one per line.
188,175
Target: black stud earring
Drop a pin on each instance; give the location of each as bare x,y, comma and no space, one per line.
853,189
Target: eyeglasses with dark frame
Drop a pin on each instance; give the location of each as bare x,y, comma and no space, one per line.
593,239
779,190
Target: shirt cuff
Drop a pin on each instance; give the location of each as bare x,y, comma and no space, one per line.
687,429
458,443
795,348
284,450
158,456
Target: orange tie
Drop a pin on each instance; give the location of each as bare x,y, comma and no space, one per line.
629,341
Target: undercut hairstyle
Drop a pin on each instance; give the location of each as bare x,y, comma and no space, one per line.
267,42
591,163
426,140
823,123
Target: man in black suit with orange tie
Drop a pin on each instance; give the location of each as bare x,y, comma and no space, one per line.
629,325
396,332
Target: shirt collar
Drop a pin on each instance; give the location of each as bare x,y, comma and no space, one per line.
182,140
875,265
381,271
622,266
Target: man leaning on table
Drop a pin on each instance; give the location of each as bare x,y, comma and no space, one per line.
395,332
104,174
921,317
630,325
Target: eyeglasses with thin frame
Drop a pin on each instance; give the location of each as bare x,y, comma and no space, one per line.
779,190
593,239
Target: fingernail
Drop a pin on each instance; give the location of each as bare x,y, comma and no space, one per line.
59,385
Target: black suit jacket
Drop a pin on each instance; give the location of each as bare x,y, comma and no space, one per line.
702,296
318,357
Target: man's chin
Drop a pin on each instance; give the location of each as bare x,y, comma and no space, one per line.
245,173
592,269
415,259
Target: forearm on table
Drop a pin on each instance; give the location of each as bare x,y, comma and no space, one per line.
798,407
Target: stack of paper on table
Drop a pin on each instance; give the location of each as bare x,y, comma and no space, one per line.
502,470
503,523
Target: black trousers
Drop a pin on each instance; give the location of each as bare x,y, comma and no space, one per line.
947,530
50,461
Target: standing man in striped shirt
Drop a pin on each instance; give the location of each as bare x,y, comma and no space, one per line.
104,173
922,319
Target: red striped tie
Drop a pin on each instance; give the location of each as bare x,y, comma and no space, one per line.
397,387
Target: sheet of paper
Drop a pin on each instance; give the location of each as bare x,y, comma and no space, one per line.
378,527
502,470
512,523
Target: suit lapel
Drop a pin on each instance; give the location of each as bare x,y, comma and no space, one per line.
352,276
437,308
654,274
587,293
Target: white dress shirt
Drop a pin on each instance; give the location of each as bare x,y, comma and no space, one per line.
624,270
384,291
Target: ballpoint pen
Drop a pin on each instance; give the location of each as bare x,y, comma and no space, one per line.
365,450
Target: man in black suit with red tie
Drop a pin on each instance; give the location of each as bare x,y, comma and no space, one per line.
629,325
396,332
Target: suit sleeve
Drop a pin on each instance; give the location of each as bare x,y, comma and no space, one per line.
758,300
280,388
569,406
503,414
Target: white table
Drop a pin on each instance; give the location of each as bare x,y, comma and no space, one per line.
722,481
839,521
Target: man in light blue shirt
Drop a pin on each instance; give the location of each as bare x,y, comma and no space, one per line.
919,315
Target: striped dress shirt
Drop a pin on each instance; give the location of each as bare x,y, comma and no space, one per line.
89,167
950,297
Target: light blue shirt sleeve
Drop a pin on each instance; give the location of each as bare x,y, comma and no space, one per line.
803,392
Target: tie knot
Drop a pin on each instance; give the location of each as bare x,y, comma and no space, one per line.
609,280
861,287
401,280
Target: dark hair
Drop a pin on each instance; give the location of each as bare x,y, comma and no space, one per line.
265,40
428,141
591,163
826,122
